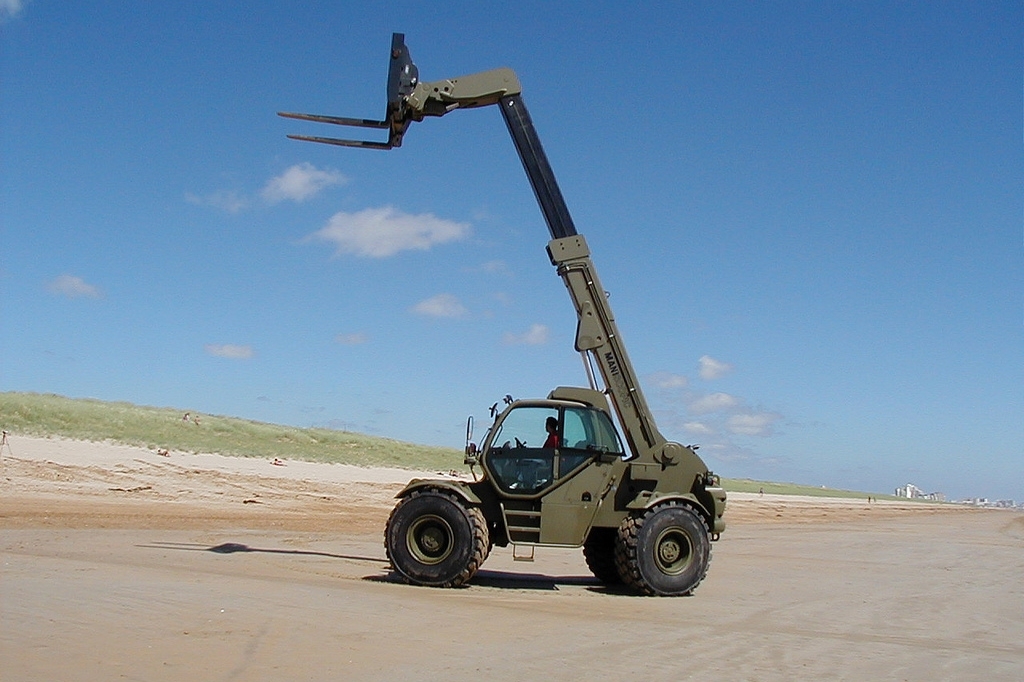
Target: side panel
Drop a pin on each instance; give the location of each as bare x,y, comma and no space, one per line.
568,510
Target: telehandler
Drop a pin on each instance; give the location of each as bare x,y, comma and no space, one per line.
555,471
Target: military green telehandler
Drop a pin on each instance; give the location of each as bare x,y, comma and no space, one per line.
554,471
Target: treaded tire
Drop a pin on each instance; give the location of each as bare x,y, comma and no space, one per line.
664,551
599,551
432,538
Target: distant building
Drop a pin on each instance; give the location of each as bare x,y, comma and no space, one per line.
909,490
996,504
912,491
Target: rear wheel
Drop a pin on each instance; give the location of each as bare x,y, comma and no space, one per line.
599,551
665,551
433,538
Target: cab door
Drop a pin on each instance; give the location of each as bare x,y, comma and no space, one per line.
585,464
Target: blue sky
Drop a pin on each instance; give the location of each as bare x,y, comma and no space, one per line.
808,217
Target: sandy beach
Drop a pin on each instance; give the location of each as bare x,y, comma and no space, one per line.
126,563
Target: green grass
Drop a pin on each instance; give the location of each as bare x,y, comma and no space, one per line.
745,485
33,414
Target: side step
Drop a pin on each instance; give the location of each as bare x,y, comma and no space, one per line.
522,557
522,519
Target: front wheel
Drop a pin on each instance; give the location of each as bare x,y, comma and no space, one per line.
666,551
432,538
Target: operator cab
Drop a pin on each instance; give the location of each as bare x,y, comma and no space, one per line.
516,459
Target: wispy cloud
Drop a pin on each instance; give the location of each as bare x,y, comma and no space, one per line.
300,182
383,232
9,9
669,380
230,351
297,183
224,200
355,339
698,428
491,267
712,402
713,369
536,335
73,287
442,305
752,423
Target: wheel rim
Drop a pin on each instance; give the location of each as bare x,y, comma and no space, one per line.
430,539
673,551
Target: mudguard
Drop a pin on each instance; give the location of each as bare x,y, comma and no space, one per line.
650,498
460,488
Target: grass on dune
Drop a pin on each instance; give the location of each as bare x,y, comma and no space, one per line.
744,485
34,414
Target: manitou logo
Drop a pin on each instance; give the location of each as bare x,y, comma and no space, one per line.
613,365
615,374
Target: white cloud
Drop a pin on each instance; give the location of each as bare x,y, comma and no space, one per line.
355,339
698,428
669,380
383,232
297,183
230,351
713,369
9,9
73,287
735,454
753,424
225,200
300,182
713,402
442,305
536,335
492,267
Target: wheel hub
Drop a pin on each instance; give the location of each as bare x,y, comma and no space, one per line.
672,551
430,539
669,551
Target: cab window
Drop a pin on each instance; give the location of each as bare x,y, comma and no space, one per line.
586,433
518,460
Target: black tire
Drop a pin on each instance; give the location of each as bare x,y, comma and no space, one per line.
665,551
433,538
599,551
